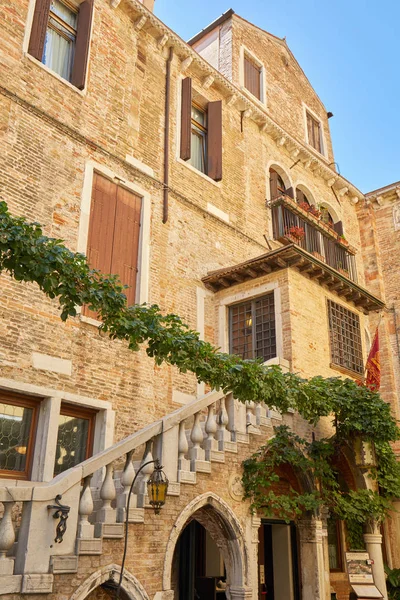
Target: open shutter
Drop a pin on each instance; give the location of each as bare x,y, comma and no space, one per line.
290,192
126,240
273,183
82,44
300,196
186,118
338,227
101,227
39,28
214,141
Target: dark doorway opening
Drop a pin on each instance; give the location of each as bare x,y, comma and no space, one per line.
278,561
202,573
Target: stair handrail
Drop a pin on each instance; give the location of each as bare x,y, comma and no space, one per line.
25,491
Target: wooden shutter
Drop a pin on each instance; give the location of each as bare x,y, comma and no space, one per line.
252,77
300,197
214,141
290,192
273,183
126,240
186,118
338,227
39,28
78,76
101,227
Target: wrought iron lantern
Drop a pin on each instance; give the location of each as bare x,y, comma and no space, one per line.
157,487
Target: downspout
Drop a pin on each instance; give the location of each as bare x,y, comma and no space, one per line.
166,135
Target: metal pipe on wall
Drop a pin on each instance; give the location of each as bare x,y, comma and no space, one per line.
166,135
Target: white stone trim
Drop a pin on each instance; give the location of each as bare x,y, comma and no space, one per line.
47,427
223,315
45,362
138,164
25,46
263,87
217,212
142,290
307,109
201,294
181,397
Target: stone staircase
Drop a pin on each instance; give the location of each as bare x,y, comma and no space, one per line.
187,441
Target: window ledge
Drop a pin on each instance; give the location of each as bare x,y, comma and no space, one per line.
203,175
346,371
315,151
90,321
55,75
262,103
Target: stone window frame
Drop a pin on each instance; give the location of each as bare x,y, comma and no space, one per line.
263,84
323,153
38,63
332,307
49,406
224,302
143,276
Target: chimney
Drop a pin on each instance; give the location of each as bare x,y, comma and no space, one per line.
148,4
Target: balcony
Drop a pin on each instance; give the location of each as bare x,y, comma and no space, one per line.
292,224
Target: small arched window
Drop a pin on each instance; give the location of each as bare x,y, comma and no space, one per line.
277,185
301,198
326,216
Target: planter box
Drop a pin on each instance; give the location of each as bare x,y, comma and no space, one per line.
343,272
319,256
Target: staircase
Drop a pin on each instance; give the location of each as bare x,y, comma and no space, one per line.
94,494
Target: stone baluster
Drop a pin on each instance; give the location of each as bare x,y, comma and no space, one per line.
210,443
107,493
251,418
184,473
231,410
7,539
264,415
85,529
223,435
197,454
127,477
145,474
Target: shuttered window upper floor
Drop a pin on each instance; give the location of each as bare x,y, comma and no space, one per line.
60,37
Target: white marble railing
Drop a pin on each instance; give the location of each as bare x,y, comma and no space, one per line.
186,441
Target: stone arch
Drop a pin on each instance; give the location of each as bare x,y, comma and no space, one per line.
334,214
221,522
281,170
306,190
130,585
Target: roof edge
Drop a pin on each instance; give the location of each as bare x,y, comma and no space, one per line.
224,17
386,188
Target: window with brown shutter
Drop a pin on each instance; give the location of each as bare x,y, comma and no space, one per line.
60,37
314,133
75,436
201,133
277,185
252,77
114,231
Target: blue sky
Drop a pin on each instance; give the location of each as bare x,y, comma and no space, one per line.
350,51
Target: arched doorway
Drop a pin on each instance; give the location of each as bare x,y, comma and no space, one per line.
208,541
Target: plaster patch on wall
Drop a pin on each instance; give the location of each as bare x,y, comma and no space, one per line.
51,363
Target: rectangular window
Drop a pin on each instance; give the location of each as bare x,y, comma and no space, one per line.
114,231
201,133
60,37
252,328
345,338
252,77
18,419
314,133
199,138
75,437
334,545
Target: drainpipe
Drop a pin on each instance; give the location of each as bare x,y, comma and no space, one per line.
166,135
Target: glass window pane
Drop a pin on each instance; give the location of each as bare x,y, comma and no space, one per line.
58,53
242,330
15,429
199,116
333,545
72,441
197,158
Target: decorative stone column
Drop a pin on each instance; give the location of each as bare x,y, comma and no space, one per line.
373,544
312,559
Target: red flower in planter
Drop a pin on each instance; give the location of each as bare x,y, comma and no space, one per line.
297,232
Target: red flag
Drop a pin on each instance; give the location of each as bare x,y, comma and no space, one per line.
373,366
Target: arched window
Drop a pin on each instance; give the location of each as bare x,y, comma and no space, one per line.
277,185
301,198
326,216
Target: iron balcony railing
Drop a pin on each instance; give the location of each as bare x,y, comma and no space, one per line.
324,246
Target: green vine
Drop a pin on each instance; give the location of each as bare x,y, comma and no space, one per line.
29,256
